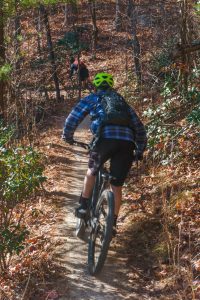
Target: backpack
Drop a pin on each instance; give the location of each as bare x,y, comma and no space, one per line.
116,110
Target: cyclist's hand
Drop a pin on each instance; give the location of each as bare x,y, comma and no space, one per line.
68,140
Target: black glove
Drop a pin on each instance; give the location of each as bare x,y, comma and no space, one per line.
138,156
68,140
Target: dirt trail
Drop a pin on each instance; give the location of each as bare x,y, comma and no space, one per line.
65,176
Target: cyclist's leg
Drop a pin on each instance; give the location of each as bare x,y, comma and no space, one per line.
93,167
88,184
120,165
97,158
117,191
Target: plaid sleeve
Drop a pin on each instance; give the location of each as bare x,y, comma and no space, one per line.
79,112
140,132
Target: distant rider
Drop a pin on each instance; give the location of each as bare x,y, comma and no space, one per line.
80,68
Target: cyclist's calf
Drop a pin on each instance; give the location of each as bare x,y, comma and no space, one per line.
88,185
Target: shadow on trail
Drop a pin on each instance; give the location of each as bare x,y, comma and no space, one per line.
57,193
139,241
143,254
59,159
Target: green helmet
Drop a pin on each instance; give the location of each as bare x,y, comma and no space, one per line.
103,79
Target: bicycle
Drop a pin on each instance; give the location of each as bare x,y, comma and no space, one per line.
99,220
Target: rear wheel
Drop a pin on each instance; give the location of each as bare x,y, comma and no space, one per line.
101,234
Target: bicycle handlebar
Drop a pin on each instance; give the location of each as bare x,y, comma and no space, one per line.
87,147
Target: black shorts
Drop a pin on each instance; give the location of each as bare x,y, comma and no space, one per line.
83,73
120,154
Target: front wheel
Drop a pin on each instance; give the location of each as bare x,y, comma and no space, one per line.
101,234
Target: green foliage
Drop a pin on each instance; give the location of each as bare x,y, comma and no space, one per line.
193,95
158,128
21,173
169,86
164,126
195,72
8,7
197,8
194,116
5,71
19,37
13,239
36,3
5,134
162,59
172,87
72,41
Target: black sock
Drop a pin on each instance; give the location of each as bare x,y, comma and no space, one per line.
115,221
83,201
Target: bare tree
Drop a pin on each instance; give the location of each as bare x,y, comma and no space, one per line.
2,60
51,51
66,11
184,35
92,4
118,17
17,33
132,14
39,48
70,12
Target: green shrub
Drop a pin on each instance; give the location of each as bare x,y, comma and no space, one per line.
21,173
194,116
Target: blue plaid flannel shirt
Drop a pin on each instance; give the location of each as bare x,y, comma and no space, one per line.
90,105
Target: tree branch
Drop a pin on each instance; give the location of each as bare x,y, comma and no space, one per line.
184,49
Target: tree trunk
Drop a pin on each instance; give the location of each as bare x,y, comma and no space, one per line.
51,51
92,5
135,42
17,33
184,41
79,80
38,29
2,61
66,11
118,17
74,11
186,49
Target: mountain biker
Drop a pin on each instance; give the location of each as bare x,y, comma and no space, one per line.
81,69
113,142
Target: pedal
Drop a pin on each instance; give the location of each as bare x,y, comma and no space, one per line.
79,215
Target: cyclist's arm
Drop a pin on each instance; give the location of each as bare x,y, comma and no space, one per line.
79,112
140,132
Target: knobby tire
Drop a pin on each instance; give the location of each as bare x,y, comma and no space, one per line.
96,264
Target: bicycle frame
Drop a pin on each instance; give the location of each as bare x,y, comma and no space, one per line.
99,220
101,183
102,179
